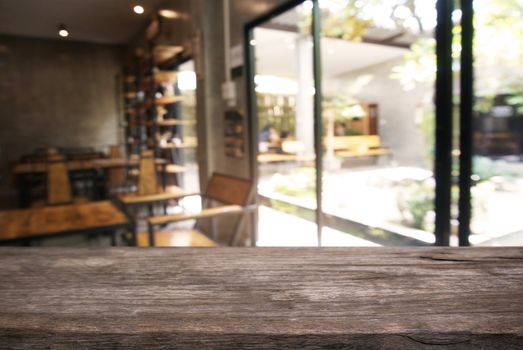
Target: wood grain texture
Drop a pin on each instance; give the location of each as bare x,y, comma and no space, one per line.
262,298
27,223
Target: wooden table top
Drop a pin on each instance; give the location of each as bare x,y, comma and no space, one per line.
135,198
40,167
27,223
262,298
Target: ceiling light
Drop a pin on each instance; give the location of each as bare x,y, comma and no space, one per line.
138,9
62,31
168,13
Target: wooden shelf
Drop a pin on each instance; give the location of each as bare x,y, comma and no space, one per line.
175,169
177,146
148,75
142,123
174,122
129,79
166,77
167,100
161,101
189,143
162,53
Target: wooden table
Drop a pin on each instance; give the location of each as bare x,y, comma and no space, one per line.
174,192
127,200
262,298
22,171
72,165
85,218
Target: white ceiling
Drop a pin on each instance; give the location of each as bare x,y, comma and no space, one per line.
98,21
276,54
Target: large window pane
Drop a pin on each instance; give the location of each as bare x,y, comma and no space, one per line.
497,194
378,75
284,100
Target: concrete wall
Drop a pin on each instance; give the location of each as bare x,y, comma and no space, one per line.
58,94
211,108
211,74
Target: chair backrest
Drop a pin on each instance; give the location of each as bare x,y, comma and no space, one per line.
147,183
228,189
115,151
115,176
58,184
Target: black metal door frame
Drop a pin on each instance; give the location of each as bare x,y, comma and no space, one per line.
444,110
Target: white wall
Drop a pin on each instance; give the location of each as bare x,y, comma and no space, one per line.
399,111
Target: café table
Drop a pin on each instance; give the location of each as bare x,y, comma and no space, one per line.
29,225
22,171
133,198
102,163
262,298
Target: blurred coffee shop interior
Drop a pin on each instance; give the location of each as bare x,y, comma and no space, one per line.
261,123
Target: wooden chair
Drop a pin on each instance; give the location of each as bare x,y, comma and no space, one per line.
116,177
59,189
58,184
233,195
148,181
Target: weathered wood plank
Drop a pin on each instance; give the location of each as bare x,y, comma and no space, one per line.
264,298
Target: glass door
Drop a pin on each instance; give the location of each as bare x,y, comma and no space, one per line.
282,50
346,120
497,124
378,74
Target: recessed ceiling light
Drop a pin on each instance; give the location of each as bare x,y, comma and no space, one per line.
62,31
138,9
168,13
